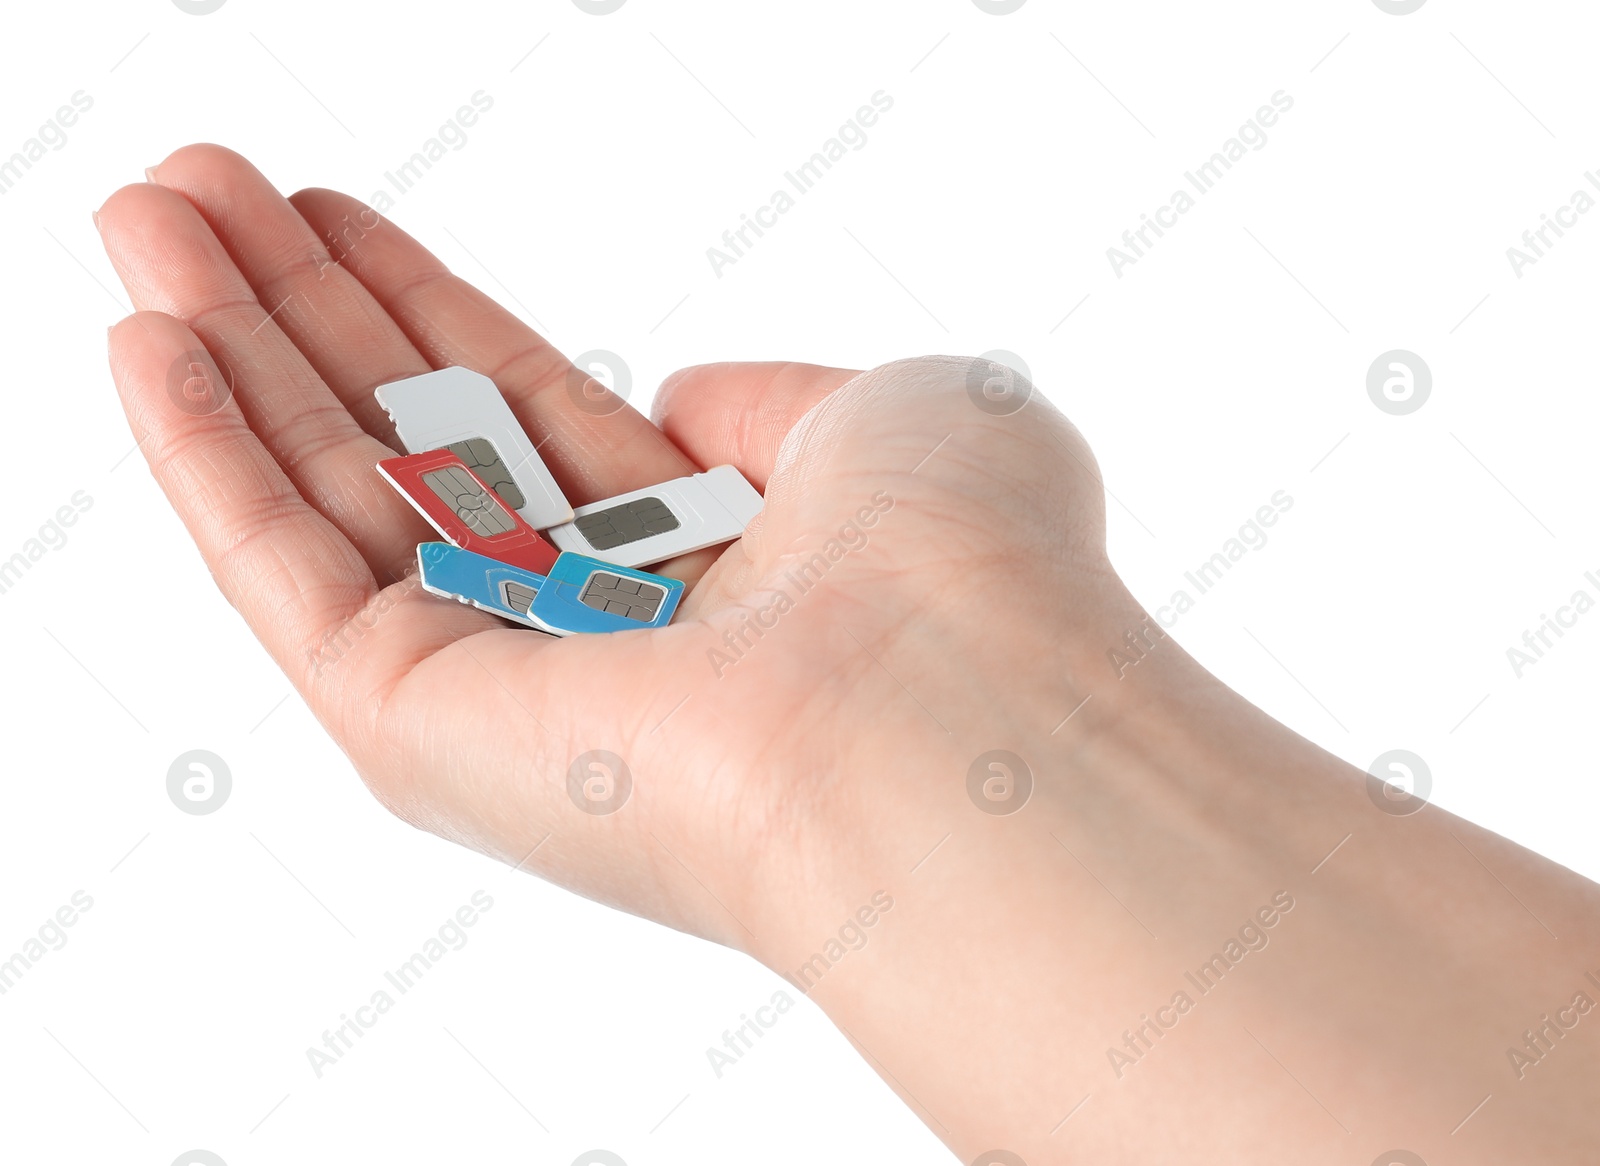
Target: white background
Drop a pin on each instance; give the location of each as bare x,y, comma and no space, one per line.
976,217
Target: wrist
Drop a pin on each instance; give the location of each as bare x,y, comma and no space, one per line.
1179,843
982,777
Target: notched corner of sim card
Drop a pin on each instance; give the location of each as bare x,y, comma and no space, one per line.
464,411
436,558
489,585
432,555
433,560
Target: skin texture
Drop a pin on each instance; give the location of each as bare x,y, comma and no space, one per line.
796,764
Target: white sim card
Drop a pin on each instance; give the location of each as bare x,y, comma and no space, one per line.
654,524
462,411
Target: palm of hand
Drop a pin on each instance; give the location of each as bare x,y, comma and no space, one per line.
682,773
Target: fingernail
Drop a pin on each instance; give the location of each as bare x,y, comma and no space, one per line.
150,173
95,215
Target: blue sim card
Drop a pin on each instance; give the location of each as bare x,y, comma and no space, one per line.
584,594
486,583
581,594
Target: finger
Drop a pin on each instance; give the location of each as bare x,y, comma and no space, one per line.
302,586
916,430
170,262
597,445
737,413
343,332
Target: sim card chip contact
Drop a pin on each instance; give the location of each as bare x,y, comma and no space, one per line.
621,595
477,508
659,522
626,523
518,596
462,508
480,456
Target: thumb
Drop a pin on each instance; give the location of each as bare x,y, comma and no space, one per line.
738,413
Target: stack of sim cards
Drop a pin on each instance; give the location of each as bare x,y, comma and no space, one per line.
471,471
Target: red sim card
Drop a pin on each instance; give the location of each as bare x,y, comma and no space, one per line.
458,505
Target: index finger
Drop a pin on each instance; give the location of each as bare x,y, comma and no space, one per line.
596,444
296,579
